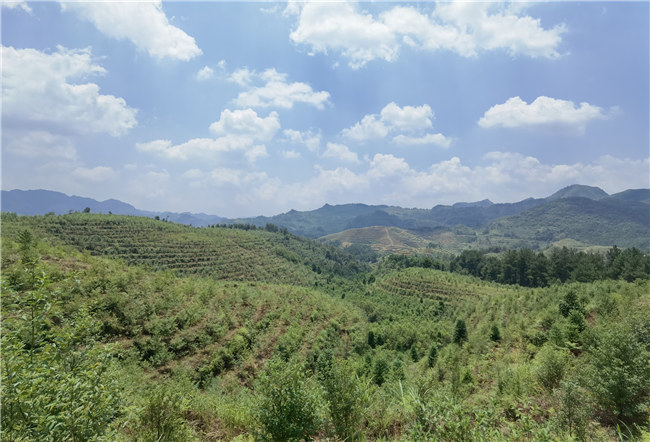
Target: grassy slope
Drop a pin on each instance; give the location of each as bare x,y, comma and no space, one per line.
180,323
220,333
226,254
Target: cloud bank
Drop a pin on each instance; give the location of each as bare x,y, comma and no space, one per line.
464,28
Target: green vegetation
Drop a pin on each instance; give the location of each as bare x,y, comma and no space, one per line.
233,254
107,334
529,269
578,217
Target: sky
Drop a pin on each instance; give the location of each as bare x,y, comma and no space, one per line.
241,109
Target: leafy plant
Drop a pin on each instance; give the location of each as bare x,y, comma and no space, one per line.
288,402
57,383
347,396
161,417
619,376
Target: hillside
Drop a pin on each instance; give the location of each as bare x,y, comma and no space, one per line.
578,191
222,253
330,219
639,195
388,240
334,219
622,219
606,222
259,336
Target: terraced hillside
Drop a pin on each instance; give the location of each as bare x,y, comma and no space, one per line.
428,284
382,239
183,327
222,253
438,241
393,354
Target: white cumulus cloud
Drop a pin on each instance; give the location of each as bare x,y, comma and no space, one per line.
205,73
246,122
408,118
237,131
370,127
48,91
464,28
341,27
544,111
13,4
429,139
144,23
400,121
310,138
340,152
387,165
274,90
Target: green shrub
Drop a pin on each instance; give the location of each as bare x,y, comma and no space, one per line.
460,332
380,370
573,408
495,333
619,376
346,397
551,364
431,357
57,383
161,418
288,403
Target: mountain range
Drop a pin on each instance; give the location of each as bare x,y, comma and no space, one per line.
577,215
40,202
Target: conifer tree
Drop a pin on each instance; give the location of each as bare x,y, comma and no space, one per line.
431,357
460,332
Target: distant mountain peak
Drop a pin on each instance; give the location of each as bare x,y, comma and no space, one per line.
579,191
482,203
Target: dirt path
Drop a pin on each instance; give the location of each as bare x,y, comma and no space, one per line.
392,244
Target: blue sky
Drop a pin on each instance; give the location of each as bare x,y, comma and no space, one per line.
241,109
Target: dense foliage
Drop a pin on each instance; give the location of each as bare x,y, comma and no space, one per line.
98,348
530,269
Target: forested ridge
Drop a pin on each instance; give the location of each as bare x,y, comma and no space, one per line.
130,328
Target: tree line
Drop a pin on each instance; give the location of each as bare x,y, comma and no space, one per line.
529,269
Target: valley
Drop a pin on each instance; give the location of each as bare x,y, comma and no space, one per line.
173,332
325,221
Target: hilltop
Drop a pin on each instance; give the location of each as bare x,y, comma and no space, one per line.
224,253
583,216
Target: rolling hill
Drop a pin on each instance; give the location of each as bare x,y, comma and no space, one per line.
580,215
221,253
622,219
333,219
606,222
208,333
